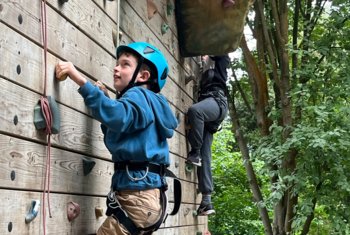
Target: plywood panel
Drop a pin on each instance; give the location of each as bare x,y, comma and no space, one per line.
79,31
169,38
79,132
137,29
16,204
86,223
26,162
23,63
90,19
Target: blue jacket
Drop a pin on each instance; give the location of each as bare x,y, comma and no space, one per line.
135,127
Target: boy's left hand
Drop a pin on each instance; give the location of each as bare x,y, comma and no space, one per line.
67,68
102,87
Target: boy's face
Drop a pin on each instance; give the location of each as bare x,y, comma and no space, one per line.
123,70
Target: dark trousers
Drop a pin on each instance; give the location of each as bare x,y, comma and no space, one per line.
200,138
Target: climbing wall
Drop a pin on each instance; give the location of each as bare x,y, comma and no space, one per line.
84,32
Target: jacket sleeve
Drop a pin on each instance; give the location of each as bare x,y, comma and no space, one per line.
127,114
221,64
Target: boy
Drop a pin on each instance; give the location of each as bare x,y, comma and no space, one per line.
135,127
204,119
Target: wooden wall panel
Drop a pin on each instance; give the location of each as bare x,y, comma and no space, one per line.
27,160
16,204
79,31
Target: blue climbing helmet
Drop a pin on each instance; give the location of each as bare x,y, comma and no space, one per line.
151,56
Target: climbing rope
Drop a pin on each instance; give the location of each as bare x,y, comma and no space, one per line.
45,107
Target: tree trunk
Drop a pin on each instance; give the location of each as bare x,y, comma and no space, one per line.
249,168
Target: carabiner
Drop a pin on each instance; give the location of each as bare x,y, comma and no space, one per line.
136,179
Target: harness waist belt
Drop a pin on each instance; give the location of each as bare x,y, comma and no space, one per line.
137,166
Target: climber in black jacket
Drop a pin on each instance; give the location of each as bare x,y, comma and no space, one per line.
204,119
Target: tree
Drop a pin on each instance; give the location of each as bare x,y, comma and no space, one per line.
236,212
298,80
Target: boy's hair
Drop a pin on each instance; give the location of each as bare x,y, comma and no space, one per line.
153,74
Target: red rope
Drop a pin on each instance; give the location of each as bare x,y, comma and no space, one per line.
45,108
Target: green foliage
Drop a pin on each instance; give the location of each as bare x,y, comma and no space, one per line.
319,133
236,212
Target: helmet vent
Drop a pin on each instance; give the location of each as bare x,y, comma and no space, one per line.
164,74
148,50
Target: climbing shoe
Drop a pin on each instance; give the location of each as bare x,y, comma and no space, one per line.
194,158
205,209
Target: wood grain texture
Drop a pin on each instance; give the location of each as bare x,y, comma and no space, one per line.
86,223
79,31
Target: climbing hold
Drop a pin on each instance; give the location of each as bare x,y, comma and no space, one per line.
115,37
62,1
228,3
98,212
169,8
194,213
189,167
151,9
39,120
189,78
178,117
62,78
73,211
88,165
165,28
33,211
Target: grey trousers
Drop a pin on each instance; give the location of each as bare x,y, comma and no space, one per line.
200,138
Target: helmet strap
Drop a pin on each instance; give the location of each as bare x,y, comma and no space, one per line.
132,82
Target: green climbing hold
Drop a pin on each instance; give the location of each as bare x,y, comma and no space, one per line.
165,28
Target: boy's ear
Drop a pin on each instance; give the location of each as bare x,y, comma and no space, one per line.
145,76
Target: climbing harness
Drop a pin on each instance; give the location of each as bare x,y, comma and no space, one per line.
219,96
115,210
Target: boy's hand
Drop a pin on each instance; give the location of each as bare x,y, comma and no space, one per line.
67,68
102,88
